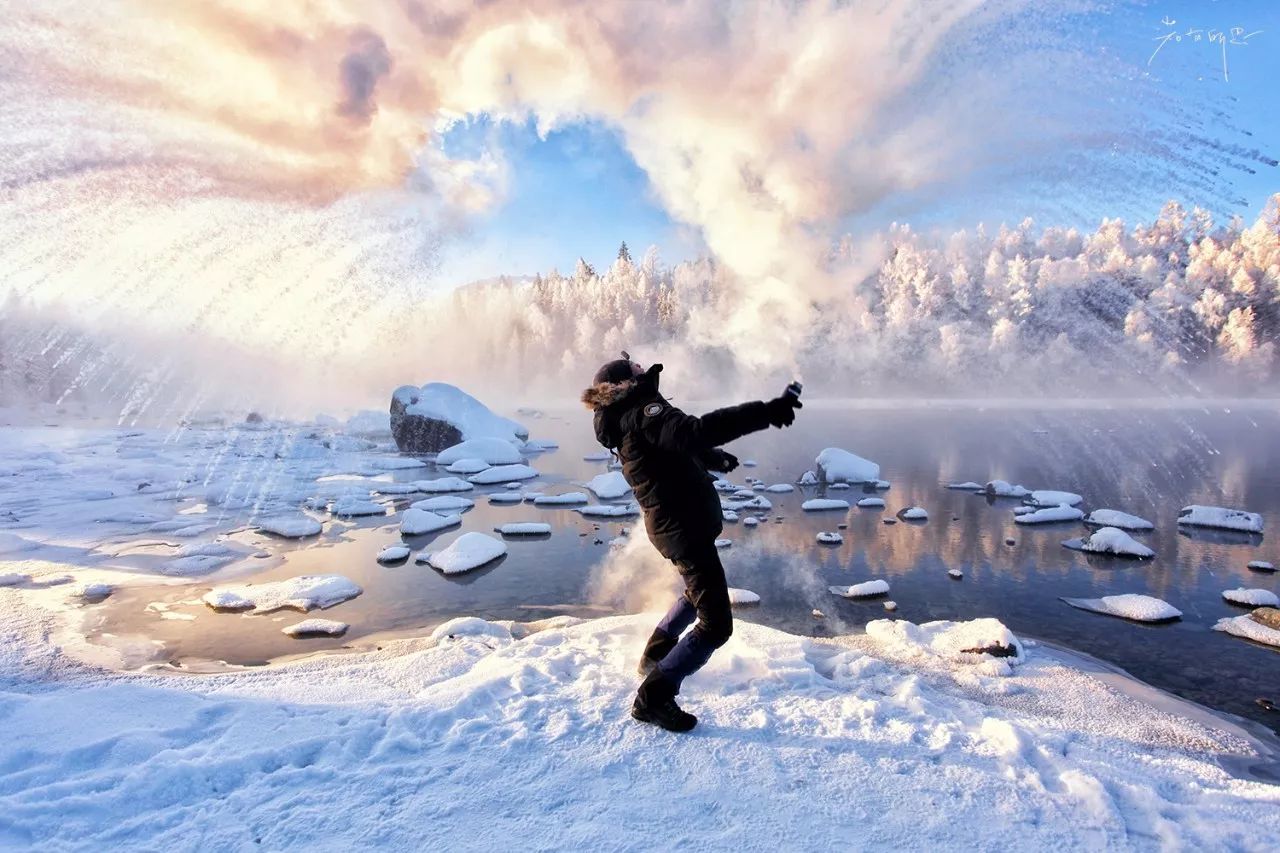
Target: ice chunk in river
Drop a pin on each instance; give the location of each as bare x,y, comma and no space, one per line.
1252,597
316,628
443,484
1110,540
841,466
1116,518
866,589
393,554
304,593
1221,517
609,486
1049,514
821,504
503,474
1130,605
418,522
443,503
494,451
469,551
506,497
290,526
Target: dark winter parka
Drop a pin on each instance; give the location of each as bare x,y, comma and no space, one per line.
666,455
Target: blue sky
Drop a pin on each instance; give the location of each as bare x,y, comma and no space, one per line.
578,192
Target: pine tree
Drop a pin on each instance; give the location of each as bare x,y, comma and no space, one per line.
623,253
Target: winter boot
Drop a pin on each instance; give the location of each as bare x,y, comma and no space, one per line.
656,703
659,646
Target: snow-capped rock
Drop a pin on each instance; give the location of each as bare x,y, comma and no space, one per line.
1250,628
469,551
1049,514
393,554
506,497
1003,489
780,488
871,503
723,543
419,522
1251,597
508,474
608,510
1221,518
492,451
729,516
468,465
1051,497
742,597
955,574
823,504
524,528
841,466
968,486
609,486
1110,540
443,504
304,593
289,526
986,643
443,484
808,478
1116,518
316,628
750,521
471,628
566,499
1139,608
438,415
913,513
866,589
829,537
356,507
598,456
1261,566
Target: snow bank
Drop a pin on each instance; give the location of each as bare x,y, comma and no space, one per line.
841,466
1110,540
742,597
1116,518
1050,497
1221,518
441,401
1049,514
866,589
1130,605
609,486
470,628
524,528
443,484
316,628
503,474
986,642
304,593
1252,597
829,537
823,504
469,551
494,451
419,522
443,503
1249,628
290,526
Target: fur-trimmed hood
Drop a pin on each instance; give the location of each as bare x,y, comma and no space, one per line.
604,394
606,399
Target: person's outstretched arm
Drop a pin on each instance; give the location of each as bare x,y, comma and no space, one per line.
672,429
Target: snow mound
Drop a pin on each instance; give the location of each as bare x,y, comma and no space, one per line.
780,488
1130,605
871,503
1110,540
316,628
419,522
986,642
830,537
469,551
443,503
1249,628
290,526
1003,489
823,504
913,513
470,627
468,465
1252,597
968,486
355,507
492,451
441,401
503,474
1049,514
1051,497
608,510
1116,518
1221,518
841,466
566,499
741,597
443,484
723,543
304,593
94,592
866,589
524,528
609,486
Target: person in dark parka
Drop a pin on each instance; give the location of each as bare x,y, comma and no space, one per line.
666,456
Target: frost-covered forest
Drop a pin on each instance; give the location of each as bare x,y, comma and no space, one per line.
1181,305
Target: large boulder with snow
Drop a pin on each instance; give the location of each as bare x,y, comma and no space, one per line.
438,415
841,466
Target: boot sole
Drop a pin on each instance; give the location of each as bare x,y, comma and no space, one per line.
645,717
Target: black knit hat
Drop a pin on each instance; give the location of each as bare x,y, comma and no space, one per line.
618,370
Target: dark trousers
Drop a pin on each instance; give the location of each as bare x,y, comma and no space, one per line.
705,598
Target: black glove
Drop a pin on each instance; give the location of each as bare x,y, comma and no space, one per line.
719,460
781,411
